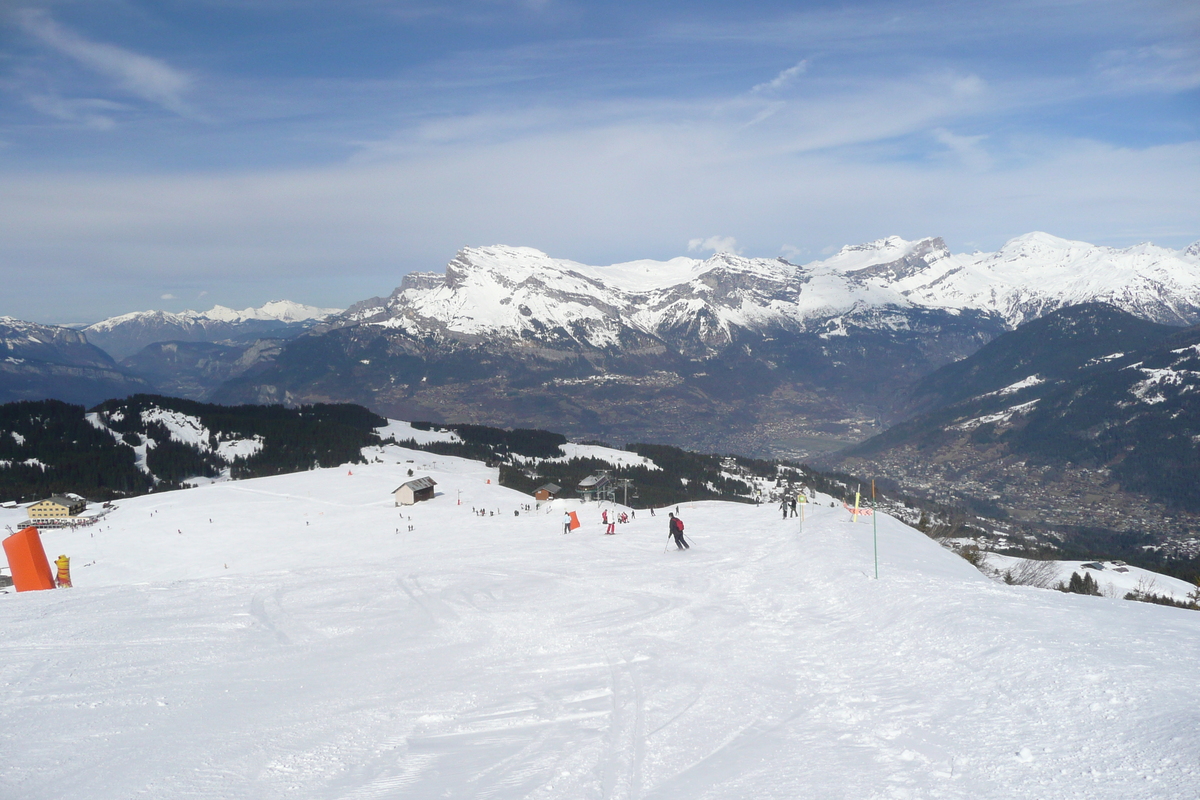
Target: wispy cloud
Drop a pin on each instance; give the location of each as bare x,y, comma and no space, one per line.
91,112
142,76
969,149
1160,67
783,79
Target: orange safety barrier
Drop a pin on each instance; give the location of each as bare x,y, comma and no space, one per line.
858,512
27,560
575,523
64,572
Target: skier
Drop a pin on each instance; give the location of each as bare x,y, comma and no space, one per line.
792,506
676,530
783,506
566,522
612,529
604,517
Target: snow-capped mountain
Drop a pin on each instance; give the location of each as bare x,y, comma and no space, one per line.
762,350
1037,273
512,336
124,335
520,292
277,310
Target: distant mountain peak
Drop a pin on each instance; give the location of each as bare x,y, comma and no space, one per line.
281,310
126,334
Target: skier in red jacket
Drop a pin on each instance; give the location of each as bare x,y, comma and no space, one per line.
676,530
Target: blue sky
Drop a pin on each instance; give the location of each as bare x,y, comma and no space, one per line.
177,154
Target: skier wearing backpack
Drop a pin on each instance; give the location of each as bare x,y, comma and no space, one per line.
676,530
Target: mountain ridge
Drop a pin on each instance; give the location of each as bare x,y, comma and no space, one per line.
783,358
126,334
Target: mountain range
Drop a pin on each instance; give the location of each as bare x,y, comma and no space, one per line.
124,335
759,356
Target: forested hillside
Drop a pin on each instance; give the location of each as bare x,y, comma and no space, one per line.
152,443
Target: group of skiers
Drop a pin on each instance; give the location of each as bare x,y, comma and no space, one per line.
674,523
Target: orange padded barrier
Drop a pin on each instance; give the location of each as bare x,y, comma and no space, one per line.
27,560
575,523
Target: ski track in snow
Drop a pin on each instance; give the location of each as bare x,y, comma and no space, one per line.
258,656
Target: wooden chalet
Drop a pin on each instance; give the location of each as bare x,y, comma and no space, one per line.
414,491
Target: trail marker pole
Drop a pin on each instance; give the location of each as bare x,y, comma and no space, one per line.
875,527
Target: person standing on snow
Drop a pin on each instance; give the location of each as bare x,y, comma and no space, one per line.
676,530
566,522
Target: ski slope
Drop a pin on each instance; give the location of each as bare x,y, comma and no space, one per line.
306,644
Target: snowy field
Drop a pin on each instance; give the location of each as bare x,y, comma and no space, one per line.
306,644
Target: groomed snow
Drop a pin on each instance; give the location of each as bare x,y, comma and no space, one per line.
305,643
403,431
618,458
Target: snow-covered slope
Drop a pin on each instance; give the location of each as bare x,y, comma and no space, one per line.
299,636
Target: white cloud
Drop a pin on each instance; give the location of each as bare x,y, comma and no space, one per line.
142,76
782,79
792,253
717,244
168,296
968,149
1160,68
92,113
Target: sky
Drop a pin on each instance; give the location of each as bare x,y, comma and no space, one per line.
183,153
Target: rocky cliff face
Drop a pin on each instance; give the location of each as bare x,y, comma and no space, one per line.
195,369
47,361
